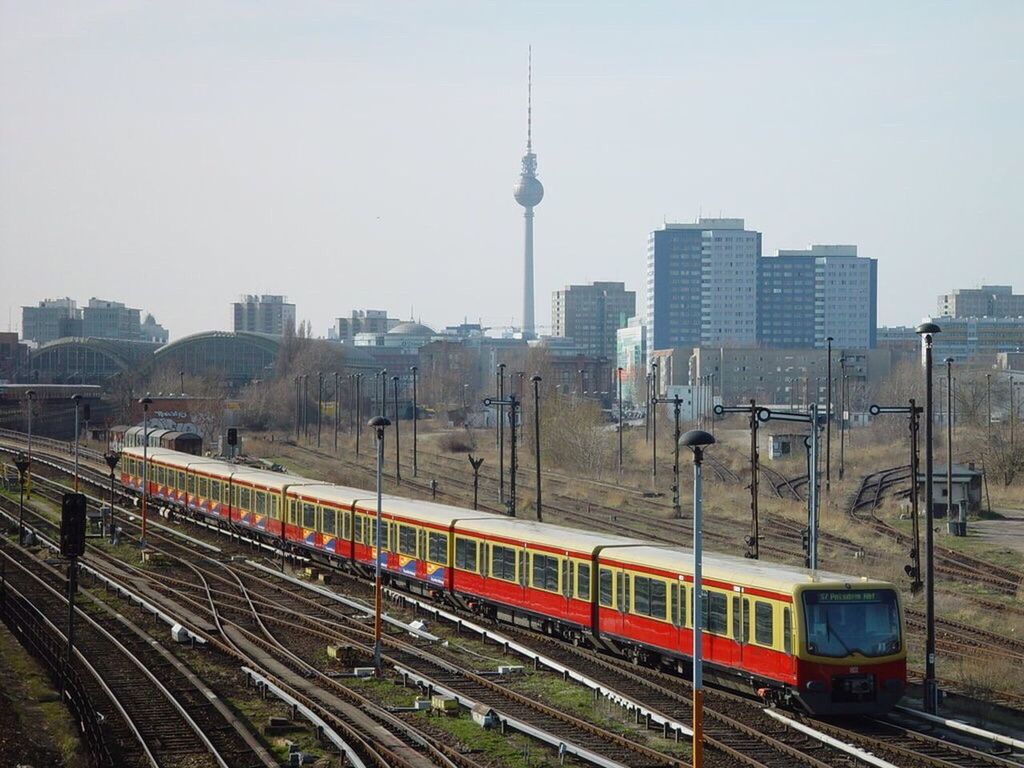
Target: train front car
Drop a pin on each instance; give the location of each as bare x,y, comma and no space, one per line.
851,653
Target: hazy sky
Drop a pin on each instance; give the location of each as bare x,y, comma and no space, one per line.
353,155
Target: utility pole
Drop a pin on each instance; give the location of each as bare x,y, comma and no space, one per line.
319,403
398,455
619,380
828,421
415,422
842,416
677,511
654,424
536,437
501,433
337,410
752,541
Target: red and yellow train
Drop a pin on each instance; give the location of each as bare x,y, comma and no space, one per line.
829,643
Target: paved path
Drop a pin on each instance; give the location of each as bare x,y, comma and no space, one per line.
1006,533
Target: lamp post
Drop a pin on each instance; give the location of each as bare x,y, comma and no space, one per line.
398,455
951,525
697,441
842,416
536,437
305,406
654,424
501,433
319,403
828,420
298,408
619,382
22,463
988,388
359,409
111,457
337,410
931,690
378,424
145,402
415,421
647,408
31,395
383,397
77,399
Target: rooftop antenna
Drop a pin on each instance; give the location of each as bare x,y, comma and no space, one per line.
529,99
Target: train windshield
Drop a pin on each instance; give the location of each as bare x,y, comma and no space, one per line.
841,622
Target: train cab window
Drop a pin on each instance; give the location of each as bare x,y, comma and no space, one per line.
787,631
764,623
607,596
407,540
503,563
544,573
716,613
583,581
437,548
329,518
737,619
465,554
308,515
649,597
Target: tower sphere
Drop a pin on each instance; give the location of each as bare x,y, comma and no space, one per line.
528,191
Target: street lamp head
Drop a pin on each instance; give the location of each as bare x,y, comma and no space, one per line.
77,399
536,378
111,457
829,339
948,361
927,329
414,369
394,378
696,438
146,402
379,422
30,394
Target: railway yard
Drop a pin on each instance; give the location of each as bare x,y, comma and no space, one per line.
216,649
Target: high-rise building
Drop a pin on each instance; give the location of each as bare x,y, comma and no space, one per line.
264,314
631,357
987,301
51,319
374,321
591,314
807,295
528,192
153,332
103,319
702,284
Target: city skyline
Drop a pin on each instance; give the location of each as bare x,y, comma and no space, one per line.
177,161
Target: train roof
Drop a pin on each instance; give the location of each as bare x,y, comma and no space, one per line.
427,511
737,570
546,534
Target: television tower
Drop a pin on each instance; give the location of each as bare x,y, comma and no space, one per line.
528,192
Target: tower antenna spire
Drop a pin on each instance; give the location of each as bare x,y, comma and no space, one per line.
529,99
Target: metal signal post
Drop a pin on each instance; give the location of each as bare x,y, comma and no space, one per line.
513,404
677,510
753,549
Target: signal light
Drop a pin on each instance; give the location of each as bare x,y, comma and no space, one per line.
910,570
232,436
72,525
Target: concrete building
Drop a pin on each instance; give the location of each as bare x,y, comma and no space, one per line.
591,314
807,295
13,356
51,319
702,284
268,314
631,356
966,338
153,332
986,301
785,376
374,321
103,319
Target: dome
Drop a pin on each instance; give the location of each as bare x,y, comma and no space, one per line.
528,191
411,328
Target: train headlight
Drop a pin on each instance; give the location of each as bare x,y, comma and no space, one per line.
815,685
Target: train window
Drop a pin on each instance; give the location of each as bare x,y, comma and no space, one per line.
522,567
181,480
393,538
204,487
737,619
606,588
291,511
308,515
622,591
787,631
407,540
676,600
437,548
649,597
764,623
346,525
465,554
159,475
273,505
567,577
329,520
245,498
716,612
545,572
583,581
503,563
215,490
261,503
190,485
485,558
